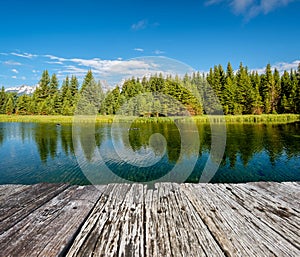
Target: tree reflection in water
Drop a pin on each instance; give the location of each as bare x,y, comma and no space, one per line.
253,151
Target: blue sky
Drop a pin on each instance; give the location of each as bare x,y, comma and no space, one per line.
69,37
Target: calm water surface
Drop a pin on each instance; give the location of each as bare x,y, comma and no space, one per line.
32,153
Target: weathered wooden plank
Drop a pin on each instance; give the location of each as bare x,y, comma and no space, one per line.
6,190
157,234
132,236
49,229
115,227
173,227
253,219
102,220
24,200
273,212
287,192
205,239
237,230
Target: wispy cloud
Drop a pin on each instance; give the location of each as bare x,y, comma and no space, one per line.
211,2
139,49
15,71
251,8
72,70
24,55
13,77
12,63
158,52
54,62
142,24
114,71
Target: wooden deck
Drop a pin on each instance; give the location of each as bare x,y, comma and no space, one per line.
254,219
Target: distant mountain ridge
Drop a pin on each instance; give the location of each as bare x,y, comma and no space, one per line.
22,90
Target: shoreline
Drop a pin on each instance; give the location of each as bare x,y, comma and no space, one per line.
251,119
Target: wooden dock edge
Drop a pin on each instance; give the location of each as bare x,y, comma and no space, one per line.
251,219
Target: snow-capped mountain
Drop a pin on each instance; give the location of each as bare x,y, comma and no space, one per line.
22,90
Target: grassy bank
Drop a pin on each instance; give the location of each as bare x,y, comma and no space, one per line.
265,118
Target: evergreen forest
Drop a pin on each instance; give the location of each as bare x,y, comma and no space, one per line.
238,92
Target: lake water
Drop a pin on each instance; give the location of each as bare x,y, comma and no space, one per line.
35,152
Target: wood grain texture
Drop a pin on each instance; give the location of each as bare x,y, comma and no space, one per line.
236,226
19,203
252,219
51,227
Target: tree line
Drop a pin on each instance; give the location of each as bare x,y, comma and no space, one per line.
240,92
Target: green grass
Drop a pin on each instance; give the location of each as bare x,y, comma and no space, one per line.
36,118
265,118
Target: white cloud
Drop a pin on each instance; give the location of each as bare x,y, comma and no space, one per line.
23,78
12,63
52,57
24,55
73,70
240,6
112,71
13,77
280,66
211,2
158,52
139,49
142,24
54,62
251,8
15,71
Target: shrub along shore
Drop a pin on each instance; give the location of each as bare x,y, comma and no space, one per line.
264,118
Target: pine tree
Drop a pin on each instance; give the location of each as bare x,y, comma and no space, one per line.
243,84
64,88
216,79
67,107
74,85
88,79
275,92
41,93
43,89
53,88
268,89
285,92
91,96
293,92
50,101
298,90
257,101
9,108
23,105
229,91
2,100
